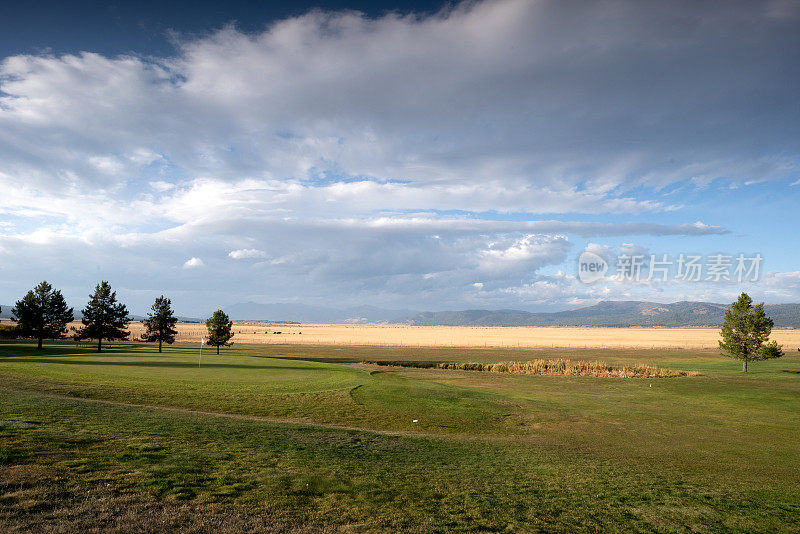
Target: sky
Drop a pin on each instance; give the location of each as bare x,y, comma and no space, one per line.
405,155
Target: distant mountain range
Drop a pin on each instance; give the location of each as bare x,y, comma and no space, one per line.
302,313
5,313
607,313
285,312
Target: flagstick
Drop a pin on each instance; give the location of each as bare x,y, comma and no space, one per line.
202,341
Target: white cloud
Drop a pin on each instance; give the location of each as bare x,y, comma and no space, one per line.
247,253
632,249
161,186
106,165
192,263
522,254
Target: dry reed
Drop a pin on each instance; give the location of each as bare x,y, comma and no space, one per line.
549,367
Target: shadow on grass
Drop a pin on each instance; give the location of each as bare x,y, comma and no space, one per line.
7,355
68,348
320,359
187,365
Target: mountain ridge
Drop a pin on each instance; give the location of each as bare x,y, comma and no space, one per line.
305,313
605,313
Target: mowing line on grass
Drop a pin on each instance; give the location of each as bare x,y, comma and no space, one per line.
265,419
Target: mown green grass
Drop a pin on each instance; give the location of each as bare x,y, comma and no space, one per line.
307,437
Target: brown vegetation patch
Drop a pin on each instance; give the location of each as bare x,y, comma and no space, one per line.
36,498
549,367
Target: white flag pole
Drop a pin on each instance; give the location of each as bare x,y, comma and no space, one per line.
202,342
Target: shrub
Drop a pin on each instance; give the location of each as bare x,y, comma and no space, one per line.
547,367
8,331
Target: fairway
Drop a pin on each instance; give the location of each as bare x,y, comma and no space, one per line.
303,437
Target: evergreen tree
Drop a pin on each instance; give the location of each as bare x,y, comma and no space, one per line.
219,330
160,323
745,331
104,317
42,313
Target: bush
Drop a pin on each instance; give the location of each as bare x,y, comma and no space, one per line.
547,367
8,331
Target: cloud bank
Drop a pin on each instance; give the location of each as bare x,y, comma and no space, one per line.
440,160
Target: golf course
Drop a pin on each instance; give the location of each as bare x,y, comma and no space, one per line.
303,437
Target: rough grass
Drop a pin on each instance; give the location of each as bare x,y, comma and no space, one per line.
258,440
560,366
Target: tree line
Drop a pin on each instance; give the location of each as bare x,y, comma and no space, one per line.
43,314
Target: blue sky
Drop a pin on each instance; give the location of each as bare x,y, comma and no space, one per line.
148,27
401,154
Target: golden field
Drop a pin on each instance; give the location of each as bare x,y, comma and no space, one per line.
469,336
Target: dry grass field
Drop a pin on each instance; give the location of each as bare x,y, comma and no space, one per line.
466,336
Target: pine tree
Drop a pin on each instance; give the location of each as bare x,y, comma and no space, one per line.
160,323
42,313
745,332
219,330
104,317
